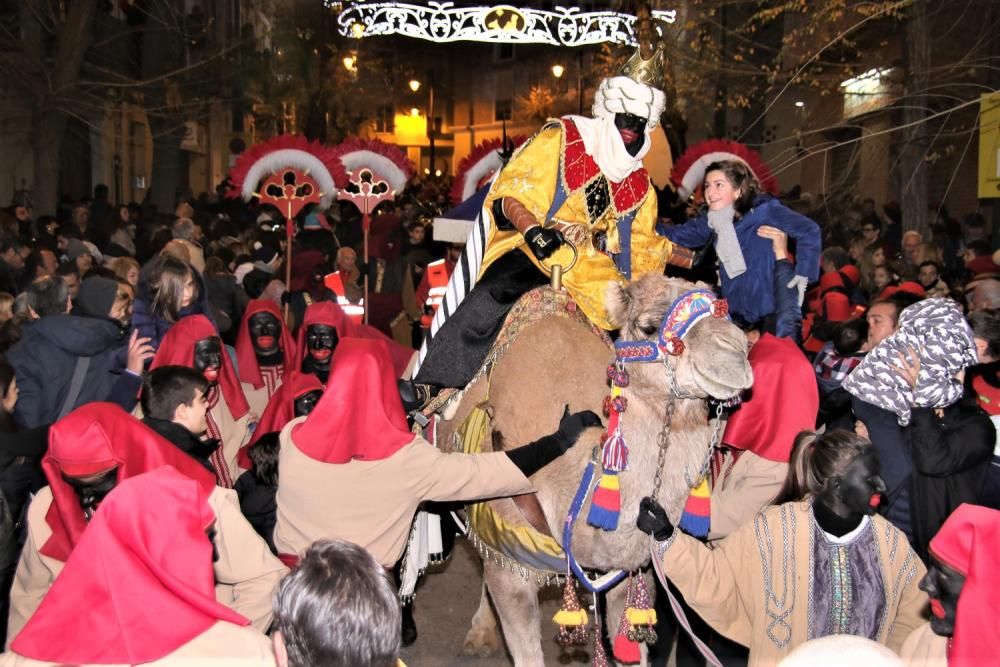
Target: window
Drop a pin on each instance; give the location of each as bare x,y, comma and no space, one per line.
503,109
384,119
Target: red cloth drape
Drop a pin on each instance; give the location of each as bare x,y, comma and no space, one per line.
92,439
360,415
139,585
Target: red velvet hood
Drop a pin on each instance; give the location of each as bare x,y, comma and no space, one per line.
94,438
969,542
360,415
139,585
177,349
280,409
246,358
331,314
784,400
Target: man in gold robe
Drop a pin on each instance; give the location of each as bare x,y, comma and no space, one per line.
580,181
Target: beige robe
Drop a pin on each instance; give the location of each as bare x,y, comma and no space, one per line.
246,574
923,648
726,585
223,644
372,503
256,398
235,434
747,487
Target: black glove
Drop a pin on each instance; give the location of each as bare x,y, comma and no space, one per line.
534,456
653,520
572,425
543,242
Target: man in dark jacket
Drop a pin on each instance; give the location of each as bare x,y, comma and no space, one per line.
174,405
66,360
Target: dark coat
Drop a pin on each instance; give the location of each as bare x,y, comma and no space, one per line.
45,358
259,505
951,457
198,449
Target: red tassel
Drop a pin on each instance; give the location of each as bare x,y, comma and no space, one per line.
625,650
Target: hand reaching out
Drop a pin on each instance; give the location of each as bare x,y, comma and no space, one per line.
779,240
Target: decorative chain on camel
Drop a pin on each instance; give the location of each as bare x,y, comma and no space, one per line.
638,618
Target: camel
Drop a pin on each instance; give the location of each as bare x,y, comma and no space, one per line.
558,361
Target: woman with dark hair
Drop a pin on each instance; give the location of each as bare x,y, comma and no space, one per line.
169,289
821,562
742,223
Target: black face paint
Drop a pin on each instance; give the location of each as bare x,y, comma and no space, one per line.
264,332
321,340
305,403
93,491
211,532
208,358
633,130
848,498
943,586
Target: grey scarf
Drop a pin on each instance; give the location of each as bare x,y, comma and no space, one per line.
727,246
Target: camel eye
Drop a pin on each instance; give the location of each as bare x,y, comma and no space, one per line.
648,329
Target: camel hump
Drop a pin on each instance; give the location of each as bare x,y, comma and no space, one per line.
541,303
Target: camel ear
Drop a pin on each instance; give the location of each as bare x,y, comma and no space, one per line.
616,300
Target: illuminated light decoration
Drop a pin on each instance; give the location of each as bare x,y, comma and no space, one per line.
479,166
867,92
443,22
689,170
557,71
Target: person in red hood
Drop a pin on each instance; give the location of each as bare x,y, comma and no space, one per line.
265,350
353,470
91,451
324,325
964,630
139,587
194,342
752,464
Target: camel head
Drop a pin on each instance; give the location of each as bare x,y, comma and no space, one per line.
713,362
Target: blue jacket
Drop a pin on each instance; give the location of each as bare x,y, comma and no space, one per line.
45,358
153,325
751,295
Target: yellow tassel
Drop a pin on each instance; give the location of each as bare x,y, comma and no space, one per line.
567,617
640,616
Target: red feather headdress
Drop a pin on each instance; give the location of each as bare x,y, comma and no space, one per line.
387,161
288,152
689,170
478,167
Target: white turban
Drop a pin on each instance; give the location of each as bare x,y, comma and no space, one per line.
620,94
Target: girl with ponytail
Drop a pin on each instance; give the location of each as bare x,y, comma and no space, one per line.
819,562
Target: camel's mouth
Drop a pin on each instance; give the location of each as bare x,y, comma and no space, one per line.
725,386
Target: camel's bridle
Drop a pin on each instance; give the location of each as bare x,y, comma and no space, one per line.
687,310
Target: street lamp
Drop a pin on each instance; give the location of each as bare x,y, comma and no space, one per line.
414,85
557,71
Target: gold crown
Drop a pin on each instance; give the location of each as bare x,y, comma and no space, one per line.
647,71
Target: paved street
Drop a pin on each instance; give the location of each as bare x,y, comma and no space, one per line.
445,604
